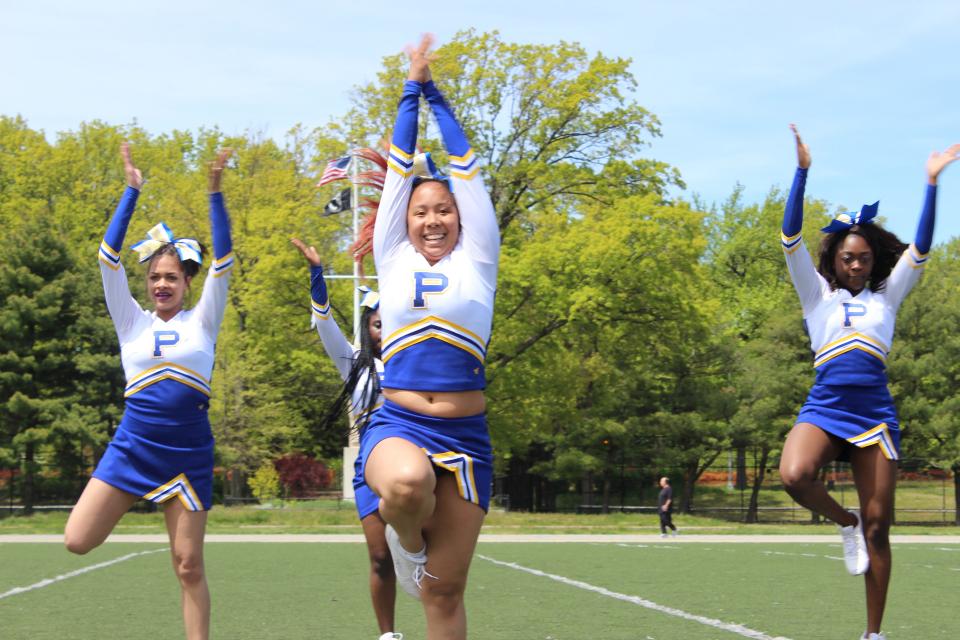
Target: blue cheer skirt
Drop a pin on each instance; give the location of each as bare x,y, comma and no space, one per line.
458,445
161,462
862,416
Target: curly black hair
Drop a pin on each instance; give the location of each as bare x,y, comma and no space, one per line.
885,245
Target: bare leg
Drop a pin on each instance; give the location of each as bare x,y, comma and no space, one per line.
402,475
383,582
451,535
807,449
96,513
876,479
186,529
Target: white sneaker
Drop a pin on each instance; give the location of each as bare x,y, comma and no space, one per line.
855,548
873,636
663,535
409,567
391,635
675,533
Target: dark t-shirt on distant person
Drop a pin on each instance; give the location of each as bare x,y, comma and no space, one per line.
666,494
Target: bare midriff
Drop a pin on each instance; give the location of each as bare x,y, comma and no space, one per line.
439,404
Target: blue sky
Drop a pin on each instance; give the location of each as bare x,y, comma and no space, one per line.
874,86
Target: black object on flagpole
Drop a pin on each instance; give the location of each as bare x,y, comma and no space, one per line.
339,203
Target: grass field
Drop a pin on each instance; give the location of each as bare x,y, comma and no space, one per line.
607,591
330,516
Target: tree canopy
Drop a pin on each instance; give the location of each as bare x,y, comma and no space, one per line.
633,332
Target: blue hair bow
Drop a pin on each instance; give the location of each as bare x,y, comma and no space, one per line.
844,221
160,235
369,298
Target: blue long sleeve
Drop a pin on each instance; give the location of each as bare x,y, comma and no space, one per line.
222,240
117,230
405,127
928,215
220,227
454,138
318,286
793,213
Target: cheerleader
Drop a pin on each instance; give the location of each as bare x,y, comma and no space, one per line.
361,370
427,454
850,302
163,448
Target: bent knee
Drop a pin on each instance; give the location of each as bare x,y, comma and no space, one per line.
797,477
409,486
79,544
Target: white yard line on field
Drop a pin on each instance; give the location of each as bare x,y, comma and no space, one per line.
799,555
738,629
47,582
653,540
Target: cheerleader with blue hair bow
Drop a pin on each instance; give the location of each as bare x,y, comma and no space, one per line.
163,448
850,304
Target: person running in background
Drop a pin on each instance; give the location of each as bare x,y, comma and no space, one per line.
665,507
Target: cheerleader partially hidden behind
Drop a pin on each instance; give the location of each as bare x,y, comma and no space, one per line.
360,369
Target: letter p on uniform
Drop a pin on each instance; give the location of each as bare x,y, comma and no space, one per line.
852,310
164,339
427,283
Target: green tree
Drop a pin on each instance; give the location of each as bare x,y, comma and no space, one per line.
553,125
770,359
53,400
925,366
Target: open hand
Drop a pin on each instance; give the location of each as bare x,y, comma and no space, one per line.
134,176
938,160
310,253
803,151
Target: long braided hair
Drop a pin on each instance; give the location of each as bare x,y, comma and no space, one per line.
364,364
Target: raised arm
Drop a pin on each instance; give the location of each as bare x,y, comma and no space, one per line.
808,283
480,233
936,163
213,300
390,230
907,270
123,309
334,342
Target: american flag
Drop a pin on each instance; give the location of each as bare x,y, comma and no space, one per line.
336,170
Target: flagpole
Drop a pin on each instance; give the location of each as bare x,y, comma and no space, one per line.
354,202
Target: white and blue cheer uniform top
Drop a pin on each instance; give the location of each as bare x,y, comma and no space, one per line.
168,365
851,335
436,319
340,351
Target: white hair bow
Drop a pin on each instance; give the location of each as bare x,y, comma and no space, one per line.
160,235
